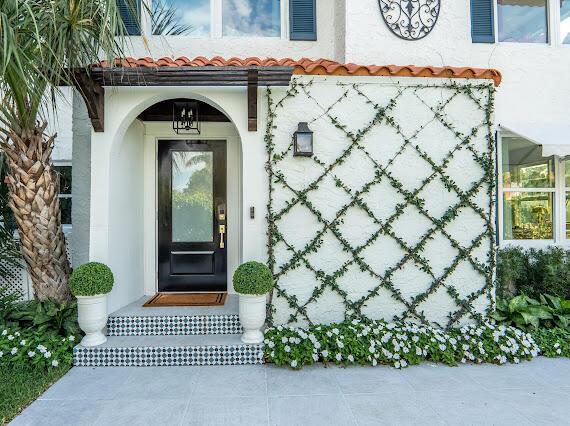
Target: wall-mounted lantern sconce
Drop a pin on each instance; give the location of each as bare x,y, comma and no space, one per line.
303,141
185,118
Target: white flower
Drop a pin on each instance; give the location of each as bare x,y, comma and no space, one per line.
71,338
339,344
47,355
10,337
336,331
418,351
315,357
55,363
4,332
41,348
351,358
284,340
317,345
271,345
17,333
329,334
294,364
339,357
372,349
23,343
287,348
558,351
397,364
325,353
403,363
442,347
31,354
14,351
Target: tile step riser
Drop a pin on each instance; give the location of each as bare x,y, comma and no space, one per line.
173,326
168,356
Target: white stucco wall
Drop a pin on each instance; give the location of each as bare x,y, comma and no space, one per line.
381,145
535,86
126,205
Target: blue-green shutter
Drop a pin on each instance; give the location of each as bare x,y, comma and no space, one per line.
303,19
130,11
483,21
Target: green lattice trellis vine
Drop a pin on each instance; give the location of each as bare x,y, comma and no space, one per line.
413,253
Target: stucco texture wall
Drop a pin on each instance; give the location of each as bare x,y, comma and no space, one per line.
392,217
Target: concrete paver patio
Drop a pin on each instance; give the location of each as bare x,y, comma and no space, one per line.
536,392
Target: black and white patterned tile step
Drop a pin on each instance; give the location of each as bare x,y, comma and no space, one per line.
169,325
151,351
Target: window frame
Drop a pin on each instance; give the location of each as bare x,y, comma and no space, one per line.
558,208
550,23
216,25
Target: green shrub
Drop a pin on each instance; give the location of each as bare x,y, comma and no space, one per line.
397,344
91,279
45,316
524,312
253,278
533,272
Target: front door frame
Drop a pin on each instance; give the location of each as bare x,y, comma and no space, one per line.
204,254
155,131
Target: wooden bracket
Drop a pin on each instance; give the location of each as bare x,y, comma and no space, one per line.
94,96
252,84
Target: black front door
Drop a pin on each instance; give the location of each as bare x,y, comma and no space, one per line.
192,230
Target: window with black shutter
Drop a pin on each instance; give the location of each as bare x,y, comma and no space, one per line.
130,11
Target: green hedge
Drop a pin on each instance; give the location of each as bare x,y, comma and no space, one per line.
91,279
253,278
533,272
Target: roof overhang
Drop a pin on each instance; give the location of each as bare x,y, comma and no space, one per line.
554,139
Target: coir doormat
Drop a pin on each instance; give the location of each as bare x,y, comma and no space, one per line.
186,299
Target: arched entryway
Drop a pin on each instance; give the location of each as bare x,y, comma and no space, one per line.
172,193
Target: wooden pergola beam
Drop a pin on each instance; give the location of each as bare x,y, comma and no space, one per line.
94,96
252,84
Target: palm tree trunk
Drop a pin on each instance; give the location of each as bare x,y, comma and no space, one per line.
34,200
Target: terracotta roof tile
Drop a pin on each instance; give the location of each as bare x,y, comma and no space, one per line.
307,66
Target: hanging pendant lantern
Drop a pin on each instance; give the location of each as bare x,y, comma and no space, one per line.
185,118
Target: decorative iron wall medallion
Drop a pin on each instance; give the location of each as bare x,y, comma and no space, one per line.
410,19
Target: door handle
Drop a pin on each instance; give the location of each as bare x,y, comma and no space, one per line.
222,232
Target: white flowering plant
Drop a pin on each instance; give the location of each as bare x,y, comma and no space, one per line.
28,347
553,342
365,342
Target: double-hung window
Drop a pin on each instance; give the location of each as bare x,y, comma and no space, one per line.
523,21
565,21
534,194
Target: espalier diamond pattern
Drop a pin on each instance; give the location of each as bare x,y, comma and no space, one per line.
392,150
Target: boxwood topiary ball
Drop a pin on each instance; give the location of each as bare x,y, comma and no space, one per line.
253,278
91,279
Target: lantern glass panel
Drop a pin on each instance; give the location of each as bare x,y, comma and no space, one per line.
305,143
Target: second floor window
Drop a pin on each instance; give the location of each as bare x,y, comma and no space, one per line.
523,21
199,18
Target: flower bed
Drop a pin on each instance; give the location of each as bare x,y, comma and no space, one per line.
397,344
21,347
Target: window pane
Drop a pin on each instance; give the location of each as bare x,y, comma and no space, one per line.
65,207
565,21
181,17
524,166
64,176
192,197
523,21
527,215
251,18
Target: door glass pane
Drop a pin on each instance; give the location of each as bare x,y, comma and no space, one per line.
523,21
192,196
524,166
251,18
565,21
527,215
181,17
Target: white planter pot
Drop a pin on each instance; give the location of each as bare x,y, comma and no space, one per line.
92,318
252,317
